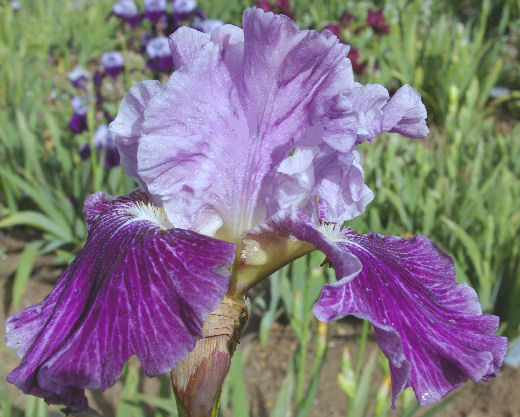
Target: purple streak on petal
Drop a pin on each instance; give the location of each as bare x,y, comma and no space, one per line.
127,124
233,112
430,328
134,288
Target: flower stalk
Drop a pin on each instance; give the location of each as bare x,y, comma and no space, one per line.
197,380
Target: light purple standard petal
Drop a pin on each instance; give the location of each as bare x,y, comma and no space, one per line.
216,142
127,124
135,288
231,113
431,328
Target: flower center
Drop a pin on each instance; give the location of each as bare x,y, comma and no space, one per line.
150,213
333,232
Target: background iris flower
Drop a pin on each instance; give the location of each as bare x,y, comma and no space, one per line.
247,158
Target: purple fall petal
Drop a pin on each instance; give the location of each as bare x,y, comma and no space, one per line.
135,288
431,329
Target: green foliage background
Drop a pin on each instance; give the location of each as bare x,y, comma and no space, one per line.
460,186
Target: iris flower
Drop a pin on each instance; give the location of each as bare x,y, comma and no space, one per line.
247,158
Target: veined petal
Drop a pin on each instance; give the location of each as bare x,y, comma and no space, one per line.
134,289
431,328
320,173
232,113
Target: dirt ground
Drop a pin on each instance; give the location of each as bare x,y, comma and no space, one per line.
266,365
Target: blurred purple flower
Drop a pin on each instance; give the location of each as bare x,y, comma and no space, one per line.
84,151
104,140
206,25
127,10
79,77
265,5
160,57
183,9
377,22
154,9
358,67
347,19
78,120
112,63
335,29
15,5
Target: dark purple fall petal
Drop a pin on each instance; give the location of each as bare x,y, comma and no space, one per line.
136,287
430,328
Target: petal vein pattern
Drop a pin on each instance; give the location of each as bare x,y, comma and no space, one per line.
134,289
231,114
212,145
431,328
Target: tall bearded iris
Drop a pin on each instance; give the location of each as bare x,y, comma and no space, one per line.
246,159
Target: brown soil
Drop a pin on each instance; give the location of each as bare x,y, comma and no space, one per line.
266,365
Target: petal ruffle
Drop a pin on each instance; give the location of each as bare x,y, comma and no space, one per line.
431,328
231,114
135,288
214,141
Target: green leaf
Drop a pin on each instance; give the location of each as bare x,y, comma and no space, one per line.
24,270
39,221
238,391
282,406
